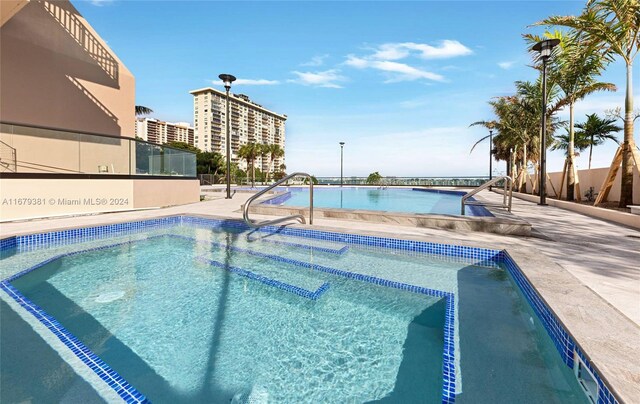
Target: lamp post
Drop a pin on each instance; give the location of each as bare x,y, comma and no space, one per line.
227,79
490,156
341,163
544,48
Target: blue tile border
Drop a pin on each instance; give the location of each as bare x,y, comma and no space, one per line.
562,340
97,365
9,242
296,290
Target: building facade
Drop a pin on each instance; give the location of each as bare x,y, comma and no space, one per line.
67,122
160,132
249,123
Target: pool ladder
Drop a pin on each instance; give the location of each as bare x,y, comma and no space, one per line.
508,185
247,204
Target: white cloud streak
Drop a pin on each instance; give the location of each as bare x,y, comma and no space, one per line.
445,50
100,3
317,60
506,65
255,82
327,78
398,71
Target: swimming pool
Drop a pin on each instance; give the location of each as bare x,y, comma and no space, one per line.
187,309
405,200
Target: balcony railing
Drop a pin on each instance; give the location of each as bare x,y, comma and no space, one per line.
50,151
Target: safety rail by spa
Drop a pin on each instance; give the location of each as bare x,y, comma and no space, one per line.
247,204
508,186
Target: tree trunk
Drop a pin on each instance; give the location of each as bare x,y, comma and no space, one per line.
626,190
571,155
524,167
253,173
590,151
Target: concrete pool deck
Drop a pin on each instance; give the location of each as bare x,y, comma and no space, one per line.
597,296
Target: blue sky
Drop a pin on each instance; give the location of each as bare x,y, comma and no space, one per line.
398,82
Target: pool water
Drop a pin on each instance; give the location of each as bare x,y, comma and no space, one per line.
405,200
172,312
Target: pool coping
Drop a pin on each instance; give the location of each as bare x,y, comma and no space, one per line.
499,225
588,319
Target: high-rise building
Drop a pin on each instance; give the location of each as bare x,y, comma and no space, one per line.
160,132
250,123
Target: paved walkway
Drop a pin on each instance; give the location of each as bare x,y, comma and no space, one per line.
603,256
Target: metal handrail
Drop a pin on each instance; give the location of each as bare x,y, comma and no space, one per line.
507,181
255,225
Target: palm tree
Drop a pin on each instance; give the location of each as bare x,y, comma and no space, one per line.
596,131
250,152
142,110
565,141
613,26
275,151
574,70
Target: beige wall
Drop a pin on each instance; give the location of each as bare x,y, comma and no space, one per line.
34,198
55,71
594,178
158,193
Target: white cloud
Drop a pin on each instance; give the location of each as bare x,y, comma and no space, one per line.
100,3
327,78
391,51
399,71
446,49
506,65
255,82
317,60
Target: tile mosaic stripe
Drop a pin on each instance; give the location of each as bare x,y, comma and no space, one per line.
71,236
296,290
9,242
81,351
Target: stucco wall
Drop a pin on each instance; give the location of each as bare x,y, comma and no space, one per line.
594,178
56,71
35,198
157,193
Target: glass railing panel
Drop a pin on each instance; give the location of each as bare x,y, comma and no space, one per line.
49,151
40,150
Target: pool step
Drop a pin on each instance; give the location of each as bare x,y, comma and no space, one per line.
297,290
268,239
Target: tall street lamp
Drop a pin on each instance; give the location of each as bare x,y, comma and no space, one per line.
227,79
544,48
341,162
490,156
